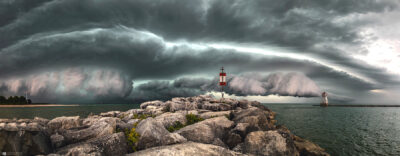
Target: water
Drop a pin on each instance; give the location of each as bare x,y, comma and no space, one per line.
340,130
52,112
344,130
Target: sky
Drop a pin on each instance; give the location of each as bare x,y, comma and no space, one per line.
129,51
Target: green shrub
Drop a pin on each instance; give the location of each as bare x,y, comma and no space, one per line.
191,119
132,137
177,125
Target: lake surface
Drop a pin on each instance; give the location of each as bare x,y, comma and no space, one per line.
342,131
52,112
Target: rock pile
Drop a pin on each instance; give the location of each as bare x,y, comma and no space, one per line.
199,125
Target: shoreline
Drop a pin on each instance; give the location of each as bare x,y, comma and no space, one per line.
37,105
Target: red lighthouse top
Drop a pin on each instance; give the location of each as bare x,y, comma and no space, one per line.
222,77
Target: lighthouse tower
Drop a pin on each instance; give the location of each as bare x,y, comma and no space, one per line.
324,99
222,81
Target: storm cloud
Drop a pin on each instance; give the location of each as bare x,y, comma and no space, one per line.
92,49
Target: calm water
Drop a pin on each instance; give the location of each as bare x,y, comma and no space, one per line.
341,131
344,130
52,112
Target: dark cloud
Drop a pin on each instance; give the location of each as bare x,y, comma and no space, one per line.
135,38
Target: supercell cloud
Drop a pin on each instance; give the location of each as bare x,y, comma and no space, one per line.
93,51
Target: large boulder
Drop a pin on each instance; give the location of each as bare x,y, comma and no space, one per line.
308,148
114,144
269,143
189,148
153,133
100,127
64,123
25,142
255,119
207,131
169,119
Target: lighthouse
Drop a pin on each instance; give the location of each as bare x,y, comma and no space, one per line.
222,81
324,99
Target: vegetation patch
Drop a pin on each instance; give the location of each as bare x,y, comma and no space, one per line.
191,119
177,125
132,138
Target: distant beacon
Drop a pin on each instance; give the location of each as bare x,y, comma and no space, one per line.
324,99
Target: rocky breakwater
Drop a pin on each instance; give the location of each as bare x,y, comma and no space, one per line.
198,125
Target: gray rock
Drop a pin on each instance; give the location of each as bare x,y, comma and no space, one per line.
306,147
207,115
40,120
233,139
208,130
169,119
27,143
114,144
63,123
153,133
41,143
57,140
189,148
156,103
110,114
254,117
269,143
34,127
11,127
80,149
219,142
216,106
100,127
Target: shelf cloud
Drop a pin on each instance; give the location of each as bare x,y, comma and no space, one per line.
98,51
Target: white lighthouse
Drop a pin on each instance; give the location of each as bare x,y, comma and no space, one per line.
324,99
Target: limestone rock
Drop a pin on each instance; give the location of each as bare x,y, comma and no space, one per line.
110,114
189,148
153,133
255,117
169,119
217,106
207,115
64,123
208,130
57,140
306,147
269,143
156,103
101,127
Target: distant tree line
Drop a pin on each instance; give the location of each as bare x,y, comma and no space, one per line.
14,100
